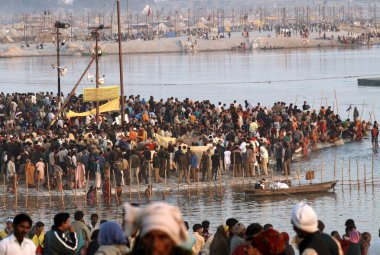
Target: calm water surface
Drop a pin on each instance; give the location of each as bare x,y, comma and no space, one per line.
265,77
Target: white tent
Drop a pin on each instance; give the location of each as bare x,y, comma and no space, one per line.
162,28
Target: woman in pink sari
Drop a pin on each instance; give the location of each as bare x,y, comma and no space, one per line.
80,175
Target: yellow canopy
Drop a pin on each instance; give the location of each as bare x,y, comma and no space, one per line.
113,105
100,94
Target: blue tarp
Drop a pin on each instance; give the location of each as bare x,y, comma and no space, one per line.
170,34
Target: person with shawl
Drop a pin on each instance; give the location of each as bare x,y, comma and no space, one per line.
111,240
40,167
80,175
219,245
160,227
30,170
354,248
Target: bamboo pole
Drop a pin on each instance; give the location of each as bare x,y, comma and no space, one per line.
298,174
188,180
286,175
86,189
220,182
130,181
357,170
336,102
138,187
342,171
48,180
75,191
15,185
335,168
115,187
61,187
361,114
349,170
322,171
372,166
38,191
165,181
5,193
365,174
27,189
109,185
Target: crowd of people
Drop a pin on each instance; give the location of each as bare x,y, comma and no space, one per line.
159,229
51,151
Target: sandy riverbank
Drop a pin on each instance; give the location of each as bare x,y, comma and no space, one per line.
169,45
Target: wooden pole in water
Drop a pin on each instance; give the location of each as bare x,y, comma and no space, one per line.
342,171
138,187
130,181
86,189
298,174
286,175
349,170
4,190
15,185
335,168
365,174
48,180
220,182
61,187
372,168
38,192
109,185
115,187
165,182
75,191
188,179
27,189
336,102
322,171
357,171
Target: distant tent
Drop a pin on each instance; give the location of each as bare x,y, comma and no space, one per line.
200,25
162,28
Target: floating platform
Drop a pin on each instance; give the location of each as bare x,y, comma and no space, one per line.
373,82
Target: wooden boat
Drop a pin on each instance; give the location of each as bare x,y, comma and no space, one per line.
303,189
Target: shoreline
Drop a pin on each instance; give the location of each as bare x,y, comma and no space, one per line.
176,45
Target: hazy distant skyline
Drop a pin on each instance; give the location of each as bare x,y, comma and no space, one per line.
30,6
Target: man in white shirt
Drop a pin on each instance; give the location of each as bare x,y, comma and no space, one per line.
17,244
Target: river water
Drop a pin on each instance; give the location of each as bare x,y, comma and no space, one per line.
259,76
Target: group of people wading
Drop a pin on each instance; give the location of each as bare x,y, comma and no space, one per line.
239,140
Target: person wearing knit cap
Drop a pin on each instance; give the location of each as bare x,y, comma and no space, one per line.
310,240
238,238
161,229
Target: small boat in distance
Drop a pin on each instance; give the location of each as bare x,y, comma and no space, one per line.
302,189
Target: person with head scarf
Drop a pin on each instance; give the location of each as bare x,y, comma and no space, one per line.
309,239
219,245
111,240
238,238
354,248
253,230
268,242
161,229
